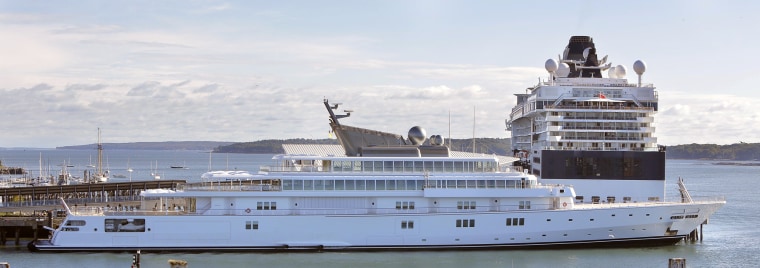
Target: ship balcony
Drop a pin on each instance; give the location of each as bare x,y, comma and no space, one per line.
601,129
553,118
647,129
647,119
586,138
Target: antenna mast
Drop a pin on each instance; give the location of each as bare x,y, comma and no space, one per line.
473,129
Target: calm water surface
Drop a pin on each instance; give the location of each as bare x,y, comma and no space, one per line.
731,237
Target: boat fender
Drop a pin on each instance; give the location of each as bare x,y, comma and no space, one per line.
247,210
564,204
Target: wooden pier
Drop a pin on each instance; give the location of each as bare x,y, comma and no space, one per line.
25,210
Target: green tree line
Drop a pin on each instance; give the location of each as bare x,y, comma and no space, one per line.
738,151
482,145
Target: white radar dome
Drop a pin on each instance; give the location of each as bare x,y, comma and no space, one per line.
551,65
620,71
639,67
563,70
612,73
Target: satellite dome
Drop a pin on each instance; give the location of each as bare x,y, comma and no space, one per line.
436,140
620,71
417,135
551,65
612,73
639,67
563,70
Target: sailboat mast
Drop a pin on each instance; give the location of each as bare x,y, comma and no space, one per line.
100,155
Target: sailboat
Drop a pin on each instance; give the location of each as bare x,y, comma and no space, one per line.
100,175
90,165
129,169
154,172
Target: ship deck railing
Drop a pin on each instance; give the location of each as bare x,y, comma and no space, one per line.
603,138
562,148
599,128
95,211
699,200
600,107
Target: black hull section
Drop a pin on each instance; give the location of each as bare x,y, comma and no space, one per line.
603,165
617,243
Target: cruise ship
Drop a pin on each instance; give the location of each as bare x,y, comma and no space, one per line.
374,191
596,133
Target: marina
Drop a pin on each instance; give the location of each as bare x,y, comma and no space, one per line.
727,238
383,192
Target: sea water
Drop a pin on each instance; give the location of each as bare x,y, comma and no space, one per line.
730,238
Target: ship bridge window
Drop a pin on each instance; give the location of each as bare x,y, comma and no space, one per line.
380,185
329,185
378,166
308,185
76,223
524,205
390,184
125,225
448,166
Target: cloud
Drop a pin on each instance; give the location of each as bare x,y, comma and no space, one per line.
715,118
145,89
84,87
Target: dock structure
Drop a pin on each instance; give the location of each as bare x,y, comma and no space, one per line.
81,193
25,210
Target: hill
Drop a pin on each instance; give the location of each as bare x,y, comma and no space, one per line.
738,151
484,145
165,145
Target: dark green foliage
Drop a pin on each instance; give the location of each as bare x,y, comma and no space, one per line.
737,151
267,146
165,145
482,145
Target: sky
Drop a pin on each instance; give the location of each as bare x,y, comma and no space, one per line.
251,70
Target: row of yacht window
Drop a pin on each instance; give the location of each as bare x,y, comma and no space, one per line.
448,166
395,185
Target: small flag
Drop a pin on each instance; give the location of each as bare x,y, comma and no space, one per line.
601,95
